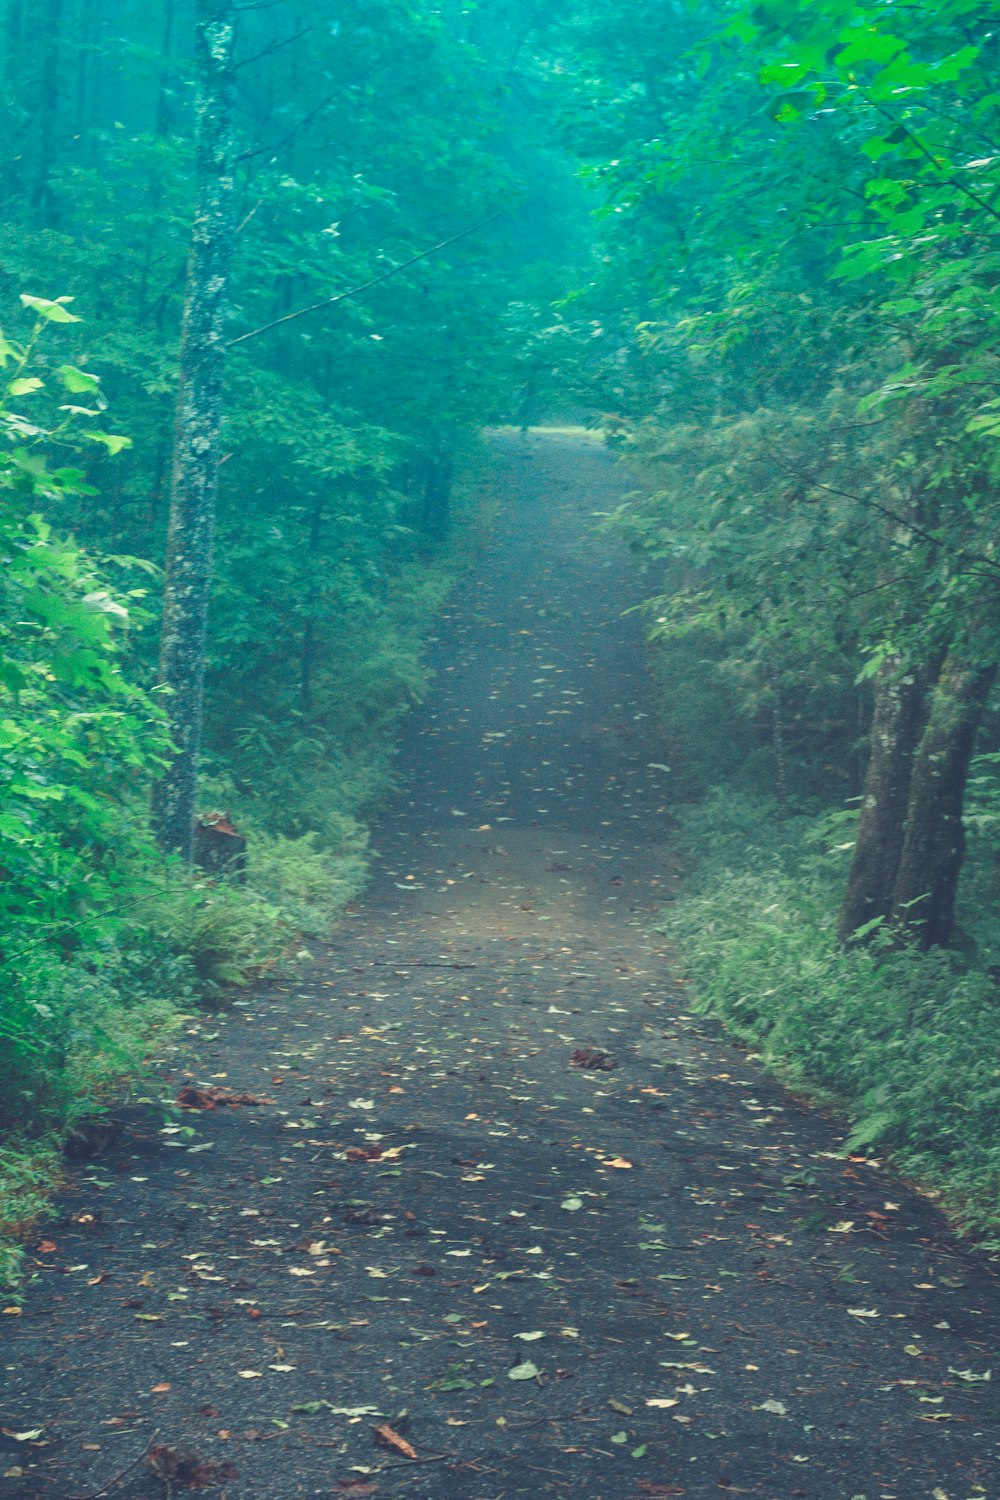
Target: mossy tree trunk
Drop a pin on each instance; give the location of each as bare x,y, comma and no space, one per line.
923,903
194,481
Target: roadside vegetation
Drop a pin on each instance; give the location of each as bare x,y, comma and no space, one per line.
239,472
800,319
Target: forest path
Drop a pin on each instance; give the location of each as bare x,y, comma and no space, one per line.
651,1279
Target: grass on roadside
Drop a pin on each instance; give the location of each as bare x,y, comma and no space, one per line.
82,1003
908,1043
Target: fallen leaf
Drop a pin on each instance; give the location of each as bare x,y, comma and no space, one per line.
970,1376
389,1438
592,1057
191,1097
662,1401
778,1407
527,1370
529,1338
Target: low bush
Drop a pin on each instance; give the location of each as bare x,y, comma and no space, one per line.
907,1042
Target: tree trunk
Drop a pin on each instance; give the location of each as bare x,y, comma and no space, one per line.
50,31
436,506
778,743
12,183
896,725
307,655
199,419
923,904
164,104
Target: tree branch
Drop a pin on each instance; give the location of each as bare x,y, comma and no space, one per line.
961,553
925,151
271,48
365,286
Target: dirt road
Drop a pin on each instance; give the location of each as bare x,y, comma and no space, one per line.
505,1204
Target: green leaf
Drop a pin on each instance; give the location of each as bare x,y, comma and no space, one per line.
101,601
114,442
527,1370
25,386
77,382
54,312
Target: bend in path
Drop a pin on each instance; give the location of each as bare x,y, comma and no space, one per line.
696,1294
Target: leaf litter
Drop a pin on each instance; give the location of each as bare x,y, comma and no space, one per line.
421,1129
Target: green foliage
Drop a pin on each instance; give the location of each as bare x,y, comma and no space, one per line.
28,1171
907,1042
310,884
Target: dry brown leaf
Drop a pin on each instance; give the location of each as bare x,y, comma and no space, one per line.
389,1438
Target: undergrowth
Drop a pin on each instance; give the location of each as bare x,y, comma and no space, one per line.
907,1042
87,992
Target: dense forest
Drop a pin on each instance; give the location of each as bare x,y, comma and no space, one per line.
270,269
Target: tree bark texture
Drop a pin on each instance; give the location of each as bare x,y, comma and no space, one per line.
930,861
897,722
198,425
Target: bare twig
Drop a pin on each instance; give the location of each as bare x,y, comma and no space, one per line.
96,1494
365,286
926,152
433,1458
272,47
415,963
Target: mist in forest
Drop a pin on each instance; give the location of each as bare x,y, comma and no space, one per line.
290,290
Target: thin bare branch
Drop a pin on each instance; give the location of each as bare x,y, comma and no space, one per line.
273,47
365,286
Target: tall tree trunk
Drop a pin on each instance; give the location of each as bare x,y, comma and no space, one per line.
86,36
199,419
12,182
307,656
778,742
162,125
898,719
923,903
436,504
164,103
50,33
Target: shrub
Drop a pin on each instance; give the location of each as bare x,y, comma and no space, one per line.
908,1042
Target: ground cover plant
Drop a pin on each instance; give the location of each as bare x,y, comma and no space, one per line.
296,302
904,1042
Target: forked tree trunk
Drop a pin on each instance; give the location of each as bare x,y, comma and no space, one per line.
900,695
923,904
897,723
198,424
